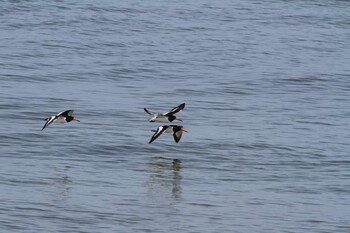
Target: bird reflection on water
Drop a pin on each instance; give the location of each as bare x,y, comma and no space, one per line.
165,178
61,184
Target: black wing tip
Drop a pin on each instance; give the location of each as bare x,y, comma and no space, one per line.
176,140
146,110
180,107
152,140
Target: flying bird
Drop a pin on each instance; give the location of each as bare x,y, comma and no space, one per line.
62,117
166,117
176,130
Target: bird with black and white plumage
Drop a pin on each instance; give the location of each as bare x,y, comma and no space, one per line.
166,117
62,117
176,130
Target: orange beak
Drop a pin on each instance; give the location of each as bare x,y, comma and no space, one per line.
75,119
178,119
183,129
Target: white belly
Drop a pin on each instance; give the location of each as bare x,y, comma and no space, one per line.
160,118
169,130
61,120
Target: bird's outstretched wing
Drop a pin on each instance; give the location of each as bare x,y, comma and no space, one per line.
160,130
177,136
49,121
175,110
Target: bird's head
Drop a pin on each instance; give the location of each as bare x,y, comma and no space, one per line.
179,127
172,118
71,118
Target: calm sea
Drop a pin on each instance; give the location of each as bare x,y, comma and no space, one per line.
267,92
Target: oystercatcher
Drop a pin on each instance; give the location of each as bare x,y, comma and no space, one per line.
62,117
176,130
166,117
